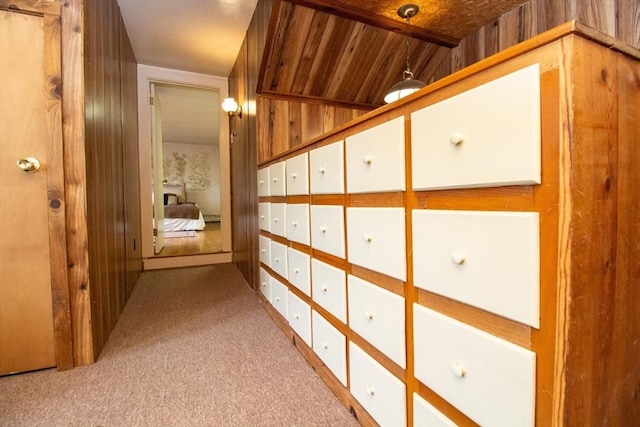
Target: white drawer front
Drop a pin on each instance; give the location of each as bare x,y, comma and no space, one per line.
299,265
300,317
489,379
263,182
279,259
327,229
277,179
425,415
487,259
264,246
377,315
279,293
376,239
298,223
375,159
487,136
377,390
330,345
329,287
264,218
265,284
297,175
278,215
326,169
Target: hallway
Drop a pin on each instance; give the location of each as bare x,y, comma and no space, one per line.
192,347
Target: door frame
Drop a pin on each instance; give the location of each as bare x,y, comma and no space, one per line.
148,74
50,12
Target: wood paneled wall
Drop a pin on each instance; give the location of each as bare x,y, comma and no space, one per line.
242,86
617,18
129,114
113,222
283,125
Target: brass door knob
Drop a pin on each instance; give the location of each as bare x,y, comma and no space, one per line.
29,164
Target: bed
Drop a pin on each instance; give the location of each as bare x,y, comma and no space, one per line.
180,215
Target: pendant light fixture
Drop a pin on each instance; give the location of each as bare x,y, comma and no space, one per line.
408,84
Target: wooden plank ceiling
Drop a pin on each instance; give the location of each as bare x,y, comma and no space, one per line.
350,52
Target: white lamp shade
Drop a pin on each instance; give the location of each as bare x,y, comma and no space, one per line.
229,105
402,89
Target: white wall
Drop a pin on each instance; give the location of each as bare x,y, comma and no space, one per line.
200,172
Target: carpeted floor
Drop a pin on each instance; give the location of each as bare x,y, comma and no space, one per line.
193,347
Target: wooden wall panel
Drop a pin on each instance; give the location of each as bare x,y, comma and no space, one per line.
244,148
628,16
283,125
617,18
111,165
129,115
73,111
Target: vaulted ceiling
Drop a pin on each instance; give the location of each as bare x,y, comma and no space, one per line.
351,52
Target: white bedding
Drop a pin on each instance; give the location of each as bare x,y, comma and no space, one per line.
182,224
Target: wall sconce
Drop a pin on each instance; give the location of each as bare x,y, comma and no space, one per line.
408,84
231,107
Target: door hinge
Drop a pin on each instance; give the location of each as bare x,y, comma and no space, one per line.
151,100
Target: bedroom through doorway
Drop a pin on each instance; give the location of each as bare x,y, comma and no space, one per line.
187,210
184,168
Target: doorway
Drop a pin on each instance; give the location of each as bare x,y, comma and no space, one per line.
184,156
188,136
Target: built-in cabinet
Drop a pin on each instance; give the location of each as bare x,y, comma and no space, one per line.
457,257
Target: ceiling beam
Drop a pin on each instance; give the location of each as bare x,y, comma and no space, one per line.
335,8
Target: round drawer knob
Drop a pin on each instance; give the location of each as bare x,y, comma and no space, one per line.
261,182
368,315
367,160
458,258
261,216
297,316
296,270
371,391
323,230
264,284
263,250
294,223
458,370
324,289
368,238
276,259
325,345
456,139
277,298
275,220
294,175
322,170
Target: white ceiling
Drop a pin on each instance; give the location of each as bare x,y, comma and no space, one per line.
202,36
189,115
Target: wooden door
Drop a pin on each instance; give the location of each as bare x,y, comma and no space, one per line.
158,175
34,310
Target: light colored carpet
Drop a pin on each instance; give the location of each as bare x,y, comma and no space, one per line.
193,347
